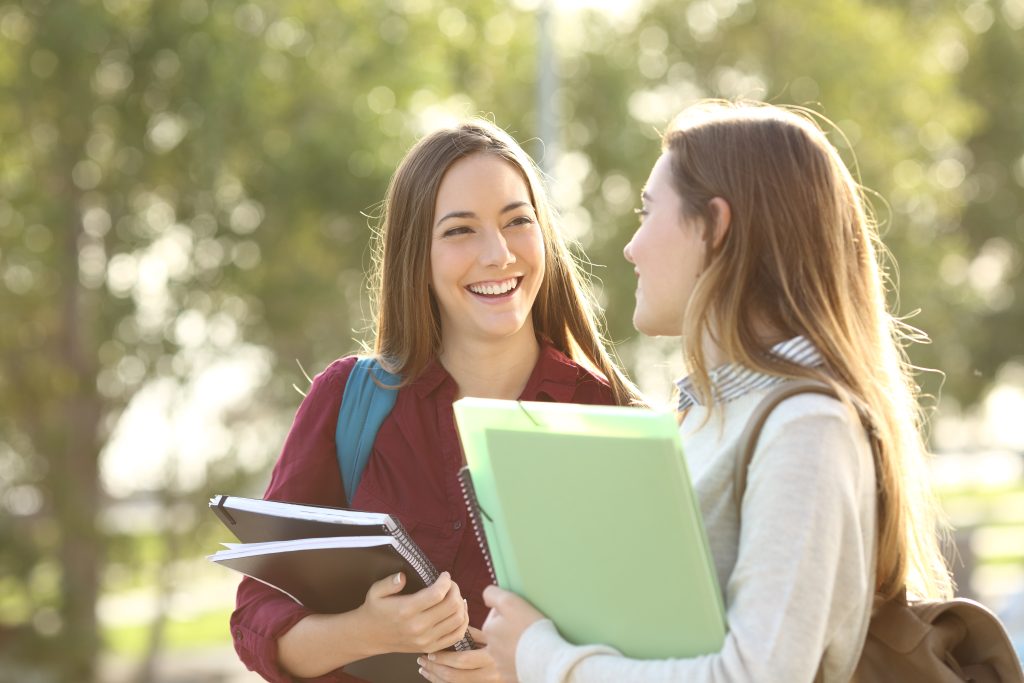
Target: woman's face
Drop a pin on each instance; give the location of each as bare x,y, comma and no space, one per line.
487,251
667,253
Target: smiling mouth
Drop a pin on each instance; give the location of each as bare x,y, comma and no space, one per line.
496,290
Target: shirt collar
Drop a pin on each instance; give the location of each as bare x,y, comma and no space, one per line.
732,380
554,377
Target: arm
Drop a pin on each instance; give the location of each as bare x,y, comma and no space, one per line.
802,569
305,472
277,637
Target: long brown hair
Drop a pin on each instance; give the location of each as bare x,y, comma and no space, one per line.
802,257
408,323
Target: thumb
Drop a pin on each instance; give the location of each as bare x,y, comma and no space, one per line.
494,597
389,585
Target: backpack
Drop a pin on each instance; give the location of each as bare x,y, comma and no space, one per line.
934,641
364,406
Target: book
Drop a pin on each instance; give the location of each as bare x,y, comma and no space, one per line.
588,512
325,559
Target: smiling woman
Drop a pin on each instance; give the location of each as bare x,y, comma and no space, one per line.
486,257
476,294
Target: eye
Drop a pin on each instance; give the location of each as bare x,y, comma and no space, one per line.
520,220
457,230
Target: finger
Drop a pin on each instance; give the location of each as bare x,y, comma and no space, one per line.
432,594
430,675
451,674
389,585
490,623
466,660
456,623
452,604
478,636
494,597
449,637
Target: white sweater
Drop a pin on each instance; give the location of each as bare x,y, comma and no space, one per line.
797,576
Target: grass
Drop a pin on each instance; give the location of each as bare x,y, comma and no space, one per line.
207,629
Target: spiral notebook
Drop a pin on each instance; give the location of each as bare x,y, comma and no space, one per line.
325,559
588,513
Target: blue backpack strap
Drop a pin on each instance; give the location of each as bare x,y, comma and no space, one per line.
364,405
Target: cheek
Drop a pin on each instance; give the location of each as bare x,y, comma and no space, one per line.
530,248
444,263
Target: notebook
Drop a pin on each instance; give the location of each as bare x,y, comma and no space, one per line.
588,513
325,559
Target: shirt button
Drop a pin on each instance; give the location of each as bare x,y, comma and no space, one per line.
457,525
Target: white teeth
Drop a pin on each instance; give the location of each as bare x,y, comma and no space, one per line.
494,288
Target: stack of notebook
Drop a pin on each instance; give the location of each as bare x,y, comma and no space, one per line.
325,559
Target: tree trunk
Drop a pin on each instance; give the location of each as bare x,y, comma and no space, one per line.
75,478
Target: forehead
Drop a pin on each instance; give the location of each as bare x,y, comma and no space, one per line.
660,179
479,180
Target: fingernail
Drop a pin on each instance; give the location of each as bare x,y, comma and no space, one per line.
431,657
422,672
419,660
398,578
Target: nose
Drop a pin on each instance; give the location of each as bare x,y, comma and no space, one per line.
495,250
627,251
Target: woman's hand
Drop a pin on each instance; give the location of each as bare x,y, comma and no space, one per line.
429,620
471,666
510,616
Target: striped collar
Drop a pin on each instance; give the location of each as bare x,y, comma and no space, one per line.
732,380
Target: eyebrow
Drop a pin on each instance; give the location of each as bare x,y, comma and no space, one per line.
469,214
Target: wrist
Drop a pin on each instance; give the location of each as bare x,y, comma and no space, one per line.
366,638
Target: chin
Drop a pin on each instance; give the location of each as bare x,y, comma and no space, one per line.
650,328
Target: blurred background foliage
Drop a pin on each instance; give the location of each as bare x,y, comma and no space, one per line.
188,188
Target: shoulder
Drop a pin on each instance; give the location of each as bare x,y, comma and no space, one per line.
567,381
812,411
331,381
818,435
336,374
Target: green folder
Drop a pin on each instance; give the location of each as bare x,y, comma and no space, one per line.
588,513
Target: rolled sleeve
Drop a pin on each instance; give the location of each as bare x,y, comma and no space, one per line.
306,472
261,616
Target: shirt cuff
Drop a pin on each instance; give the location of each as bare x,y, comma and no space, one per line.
543,656
258,651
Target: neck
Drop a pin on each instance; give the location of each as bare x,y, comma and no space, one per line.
715,355
490,369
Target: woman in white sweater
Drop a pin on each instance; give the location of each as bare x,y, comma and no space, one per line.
757,248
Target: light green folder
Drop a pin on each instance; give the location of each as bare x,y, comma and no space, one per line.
589,514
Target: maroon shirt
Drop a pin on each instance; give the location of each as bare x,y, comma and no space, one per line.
412,474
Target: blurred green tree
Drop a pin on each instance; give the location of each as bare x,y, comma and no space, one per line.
987,277
179,179
887,74
182,181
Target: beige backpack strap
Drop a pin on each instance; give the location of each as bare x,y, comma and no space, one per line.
752,431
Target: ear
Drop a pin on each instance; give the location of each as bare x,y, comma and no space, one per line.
721,214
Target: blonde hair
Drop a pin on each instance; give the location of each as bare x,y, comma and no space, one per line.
408,322
802,257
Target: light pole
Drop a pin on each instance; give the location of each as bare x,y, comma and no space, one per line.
548,114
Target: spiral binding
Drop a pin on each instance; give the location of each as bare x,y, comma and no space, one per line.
473,508
397,529
415,556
